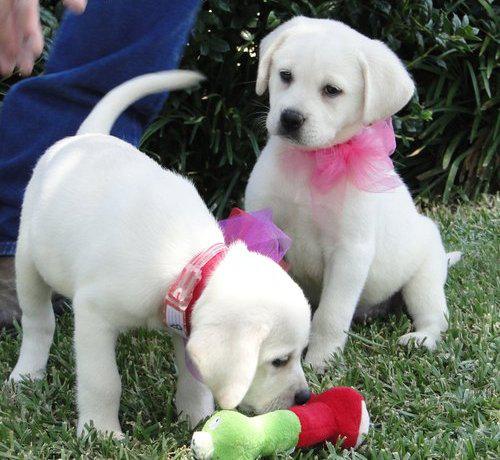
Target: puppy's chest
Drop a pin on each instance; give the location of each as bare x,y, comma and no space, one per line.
317,222
294,213
307,216
310,219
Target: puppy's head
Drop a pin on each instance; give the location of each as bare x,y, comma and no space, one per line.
249,329
326,81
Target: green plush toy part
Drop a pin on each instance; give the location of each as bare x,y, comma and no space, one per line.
232,436
337,415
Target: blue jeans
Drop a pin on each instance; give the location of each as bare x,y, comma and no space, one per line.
113,41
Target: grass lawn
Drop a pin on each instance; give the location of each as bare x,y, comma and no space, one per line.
423,405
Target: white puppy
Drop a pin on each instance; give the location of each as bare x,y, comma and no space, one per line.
351,249
109,228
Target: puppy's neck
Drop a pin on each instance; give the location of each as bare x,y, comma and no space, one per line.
188,287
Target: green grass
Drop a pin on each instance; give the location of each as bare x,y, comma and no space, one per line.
423,405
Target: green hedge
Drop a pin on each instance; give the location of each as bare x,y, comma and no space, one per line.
448,134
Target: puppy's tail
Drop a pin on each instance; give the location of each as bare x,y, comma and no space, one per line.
453,257
110,107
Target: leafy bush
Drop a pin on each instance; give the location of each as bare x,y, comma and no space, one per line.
448,134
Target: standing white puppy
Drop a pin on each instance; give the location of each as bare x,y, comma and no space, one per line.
109,228
326,173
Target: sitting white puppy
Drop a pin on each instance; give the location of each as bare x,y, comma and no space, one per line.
352,248
109,228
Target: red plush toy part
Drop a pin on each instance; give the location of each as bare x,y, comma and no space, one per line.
335,414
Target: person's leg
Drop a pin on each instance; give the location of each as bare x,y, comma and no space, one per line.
110,43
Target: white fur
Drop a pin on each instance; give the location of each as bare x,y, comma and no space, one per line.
202,445
364,425
351,249
109,228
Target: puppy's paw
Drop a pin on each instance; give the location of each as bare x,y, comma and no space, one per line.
318,357
194,409
19,375
103,430
421,339
317,363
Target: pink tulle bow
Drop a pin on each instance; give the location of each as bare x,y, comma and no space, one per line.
364,160
257,231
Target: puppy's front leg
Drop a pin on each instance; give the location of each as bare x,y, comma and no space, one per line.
193,399
97,378
343,281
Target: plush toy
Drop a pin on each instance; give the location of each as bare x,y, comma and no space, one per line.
337,414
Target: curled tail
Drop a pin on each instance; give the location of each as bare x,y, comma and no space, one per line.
111,106
453,257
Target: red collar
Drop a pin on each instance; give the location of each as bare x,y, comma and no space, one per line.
187,288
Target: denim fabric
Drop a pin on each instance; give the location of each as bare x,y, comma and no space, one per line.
113,41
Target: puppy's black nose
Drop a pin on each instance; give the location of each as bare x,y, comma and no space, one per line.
302,396
291,120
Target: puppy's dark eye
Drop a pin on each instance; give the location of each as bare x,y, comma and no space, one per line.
331,91
286,76
280,362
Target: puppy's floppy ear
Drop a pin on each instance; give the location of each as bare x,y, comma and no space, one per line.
227,358
388,85
268,46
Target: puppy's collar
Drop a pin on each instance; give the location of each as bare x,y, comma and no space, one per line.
188,287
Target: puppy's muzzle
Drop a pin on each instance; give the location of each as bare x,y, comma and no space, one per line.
291,121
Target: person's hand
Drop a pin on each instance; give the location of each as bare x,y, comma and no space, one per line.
21,38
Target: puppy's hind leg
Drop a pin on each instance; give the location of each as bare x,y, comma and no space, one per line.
425,300
38,320
97,378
